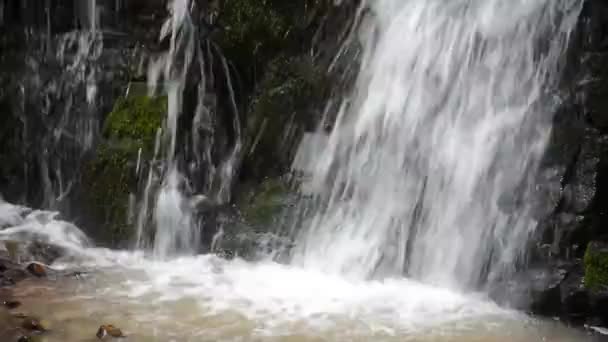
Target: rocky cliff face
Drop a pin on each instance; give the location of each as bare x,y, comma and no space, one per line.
67,80
568,267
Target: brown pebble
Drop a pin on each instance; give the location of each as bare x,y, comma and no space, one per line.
33,324
36,269
109,330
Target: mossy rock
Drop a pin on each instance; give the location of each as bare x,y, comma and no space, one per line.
136,119
262,204
288,103
110,177
596,266
256,31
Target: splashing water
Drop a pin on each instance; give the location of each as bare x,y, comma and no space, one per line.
206,298
180,70
450,112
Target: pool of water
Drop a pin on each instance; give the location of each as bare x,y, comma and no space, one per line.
206,298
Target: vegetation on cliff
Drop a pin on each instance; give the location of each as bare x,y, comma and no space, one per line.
596,266
109,178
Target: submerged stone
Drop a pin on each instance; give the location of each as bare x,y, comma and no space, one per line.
11,304
37,269
109,330
34,324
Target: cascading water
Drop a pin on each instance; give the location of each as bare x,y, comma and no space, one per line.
451,111
176,230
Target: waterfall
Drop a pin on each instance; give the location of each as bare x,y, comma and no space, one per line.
186,142
451,112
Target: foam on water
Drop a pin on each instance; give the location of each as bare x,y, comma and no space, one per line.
235,298
275,294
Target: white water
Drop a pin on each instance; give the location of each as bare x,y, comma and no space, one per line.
451,111
206,298
174,227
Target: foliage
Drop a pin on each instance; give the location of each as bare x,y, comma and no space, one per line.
262,204
596,266
285,98
256,31
136,118
110,177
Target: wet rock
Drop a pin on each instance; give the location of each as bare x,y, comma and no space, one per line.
262,204
564,233
45,253
109,330
12,276
11,304
574,297
37,270
581,189
544,289
536,289
34,324
111,176
31,250
548,193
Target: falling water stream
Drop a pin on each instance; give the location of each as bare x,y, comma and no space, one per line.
450,113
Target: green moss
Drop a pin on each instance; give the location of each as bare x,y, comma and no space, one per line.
109,177
596,266
108,180
252,30
256,31
137,119
261,205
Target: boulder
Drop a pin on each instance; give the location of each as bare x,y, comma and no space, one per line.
11,304
111,175
37,270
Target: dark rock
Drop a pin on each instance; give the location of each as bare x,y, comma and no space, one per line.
581,189
543,288
536,289
12,276
575,303
548,193
37,269
599,307
34,324
45,253
563,234
108,330
11,304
